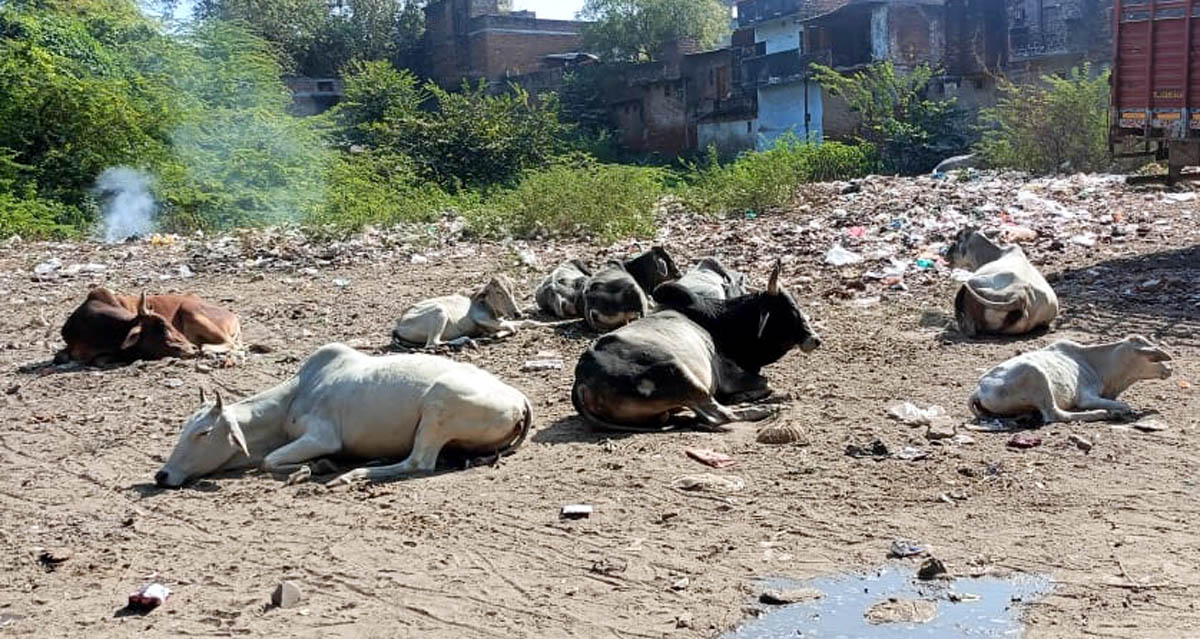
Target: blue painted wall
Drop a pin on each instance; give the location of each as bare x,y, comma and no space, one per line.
781,109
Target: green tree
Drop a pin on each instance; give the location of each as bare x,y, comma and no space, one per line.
911,132
379,98
636,30
1059,124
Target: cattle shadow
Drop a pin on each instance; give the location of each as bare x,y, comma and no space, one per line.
574,429
132,611
1153,294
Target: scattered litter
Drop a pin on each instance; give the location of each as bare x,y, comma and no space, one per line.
287,595
876,449
932,568
1081,443
785,597
47,270
710,457
856,231
838,256
575,511
184,271
962,439
546,364
1084,239
149,597
925,263
908,453
709,483
1017,234
50,558
896,610
1022,440
866,302
902,548
913,415
681,584
1180,198
528,258
418,259
172,382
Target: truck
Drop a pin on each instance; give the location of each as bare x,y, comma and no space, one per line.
1155,108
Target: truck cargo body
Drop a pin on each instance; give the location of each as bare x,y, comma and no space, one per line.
1156,78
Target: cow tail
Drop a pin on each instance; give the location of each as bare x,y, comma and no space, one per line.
523,432
975,405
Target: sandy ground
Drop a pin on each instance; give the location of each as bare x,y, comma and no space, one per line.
483,553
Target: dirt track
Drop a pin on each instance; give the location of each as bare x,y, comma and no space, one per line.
482,553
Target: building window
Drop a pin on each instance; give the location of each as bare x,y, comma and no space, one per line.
978,84
325,86
749,127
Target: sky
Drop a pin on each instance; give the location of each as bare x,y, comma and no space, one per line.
550,9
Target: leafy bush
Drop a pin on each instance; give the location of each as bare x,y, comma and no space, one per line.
1059,124
379,98
911,132
578,197
761,180
377,188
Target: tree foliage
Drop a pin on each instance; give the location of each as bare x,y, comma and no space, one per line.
636,30
1059,124
318,38
911,132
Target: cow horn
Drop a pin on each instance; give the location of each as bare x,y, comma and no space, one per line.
773,284
203,399
220,402
143,306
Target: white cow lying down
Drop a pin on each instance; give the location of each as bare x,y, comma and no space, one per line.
347,403
1067,381
455,319
1006,294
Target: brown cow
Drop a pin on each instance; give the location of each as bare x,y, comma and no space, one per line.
128,328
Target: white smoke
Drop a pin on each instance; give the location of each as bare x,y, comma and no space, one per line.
127,203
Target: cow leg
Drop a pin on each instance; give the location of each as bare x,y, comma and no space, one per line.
716,415
1114,408
427,445
437,328
291,458
204,333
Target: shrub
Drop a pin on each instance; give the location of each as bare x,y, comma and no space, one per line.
572,198
1060,123
377,188
911,132
757,181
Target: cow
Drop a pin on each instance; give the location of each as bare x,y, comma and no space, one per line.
704,357
1067,381
123,327
618,293
709,279
1005,295
559,294
343,402
456,319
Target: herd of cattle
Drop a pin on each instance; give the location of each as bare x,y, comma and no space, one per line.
668,342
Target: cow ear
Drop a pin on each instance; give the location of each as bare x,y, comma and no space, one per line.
773,283
661,265
143,306
237,437
132,337
762,323
1155,354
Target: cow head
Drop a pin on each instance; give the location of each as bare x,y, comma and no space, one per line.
612,298
971,249
153,337
211,437
1141,359
652,268
779,325
498,296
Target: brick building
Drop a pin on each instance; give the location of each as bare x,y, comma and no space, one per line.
473,39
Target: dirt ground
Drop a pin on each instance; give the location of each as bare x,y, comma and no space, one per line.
483,553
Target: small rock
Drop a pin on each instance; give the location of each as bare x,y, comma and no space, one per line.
876,449
1149,425
789,596
341,282
708,482
683,620
902,611
184,271
172,382
1021,440
681,584
1083,444
287,595
940,428
931,568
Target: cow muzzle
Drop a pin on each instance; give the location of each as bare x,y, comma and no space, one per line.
811,344
162,479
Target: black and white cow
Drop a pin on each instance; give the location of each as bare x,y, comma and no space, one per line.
703,356
710,279
560,293
617,293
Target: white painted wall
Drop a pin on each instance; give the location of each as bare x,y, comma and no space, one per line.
780,35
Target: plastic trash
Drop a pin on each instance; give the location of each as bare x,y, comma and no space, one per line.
838,256
925,263
149,596
1084,239
575,511
910,413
